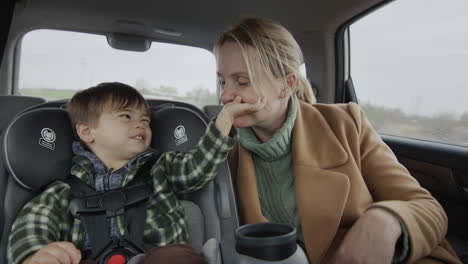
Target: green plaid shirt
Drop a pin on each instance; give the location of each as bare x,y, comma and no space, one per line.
46,219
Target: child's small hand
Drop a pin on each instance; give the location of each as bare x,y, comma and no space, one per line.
55,253
235,109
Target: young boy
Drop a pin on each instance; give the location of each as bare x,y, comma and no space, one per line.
112,121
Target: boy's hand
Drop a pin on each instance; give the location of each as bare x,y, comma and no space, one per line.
55,253
235,109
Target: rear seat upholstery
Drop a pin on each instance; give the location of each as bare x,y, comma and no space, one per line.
210,212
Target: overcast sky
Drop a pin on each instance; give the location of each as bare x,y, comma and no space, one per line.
410,54
413,54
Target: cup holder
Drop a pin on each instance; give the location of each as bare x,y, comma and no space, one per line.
266,241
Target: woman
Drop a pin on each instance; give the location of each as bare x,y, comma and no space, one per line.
321,168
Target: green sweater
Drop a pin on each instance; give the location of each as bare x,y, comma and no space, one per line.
275,178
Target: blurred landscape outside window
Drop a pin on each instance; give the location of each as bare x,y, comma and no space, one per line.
408,65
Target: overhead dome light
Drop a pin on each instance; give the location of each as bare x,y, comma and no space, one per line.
168,32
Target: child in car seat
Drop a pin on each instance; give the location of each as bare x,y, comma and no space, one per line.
112,122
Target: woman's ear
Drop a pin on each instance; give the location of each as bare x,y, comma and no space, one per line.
291,81
84,132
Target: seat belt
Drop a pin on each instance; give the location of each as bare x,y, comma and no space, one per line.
95,209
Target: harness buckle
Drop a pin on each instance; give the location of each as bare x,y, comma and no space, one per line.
118,252
117,259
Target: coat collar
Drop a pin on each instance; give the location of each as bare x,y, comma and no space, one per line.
314,142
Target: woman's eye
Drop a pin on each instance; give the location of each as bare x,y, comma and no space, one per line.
146,121
243,81
221,83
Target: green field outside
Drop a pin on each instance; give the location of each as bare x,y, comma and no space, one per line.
48,94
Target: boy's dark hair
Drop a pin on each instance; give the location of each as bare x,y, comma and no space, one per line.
86,106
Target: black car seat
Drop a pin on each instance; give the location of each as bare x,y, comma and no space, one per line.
10,106
216,201
212,110
160,103
37,151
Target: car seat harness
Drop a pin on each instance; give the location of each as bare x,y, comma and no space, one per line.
95,208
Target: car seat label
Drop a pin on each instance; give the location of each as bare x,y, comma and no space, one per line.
180,136
47,138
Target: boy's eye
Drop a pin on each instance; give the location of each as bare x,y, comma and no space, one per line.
146,121
126,116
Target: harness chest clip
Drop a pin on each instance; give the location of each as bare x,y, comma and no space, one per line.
113,202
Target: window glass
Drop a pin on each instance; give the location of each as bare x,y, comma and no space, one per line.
408,66
55,64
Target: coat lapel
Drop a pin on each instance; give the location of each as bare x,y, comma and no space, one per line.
246,183
321,197
314,142
321,193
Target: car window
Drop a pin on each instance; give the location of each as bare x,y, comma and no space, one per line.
55,64
408,66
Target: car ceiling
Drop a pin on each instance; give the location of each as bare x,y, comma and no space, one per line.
198,21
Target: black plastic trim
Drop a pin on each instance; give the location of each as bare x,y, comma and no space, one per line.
9,9
339,50
266,241
450,156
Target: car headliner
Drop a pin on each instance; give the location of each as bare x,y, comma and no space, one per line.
198,21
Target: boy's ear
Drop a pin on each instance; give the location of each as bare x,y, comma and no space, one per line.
84,132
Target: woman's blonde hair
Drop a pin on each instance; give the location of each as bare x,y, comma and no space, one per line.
276,51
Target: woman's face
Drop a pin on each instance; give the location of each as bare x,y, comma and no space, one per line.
235,81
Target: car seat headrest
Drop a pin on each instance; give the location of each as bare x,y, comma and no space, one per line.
176,129
37,147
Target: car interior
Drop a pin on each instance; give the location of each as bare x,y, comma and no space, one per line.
323,31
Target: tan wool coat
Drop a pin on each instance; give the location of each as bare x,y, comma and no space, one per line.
342,168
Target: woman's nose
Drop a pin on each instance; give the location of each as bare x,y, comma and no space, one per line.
227,95
225,98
